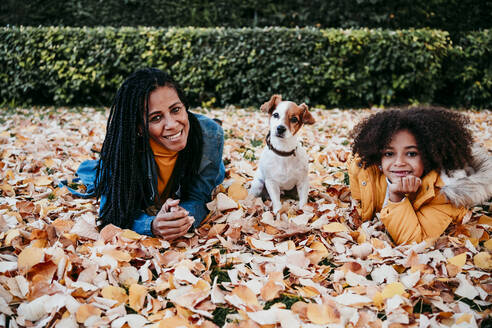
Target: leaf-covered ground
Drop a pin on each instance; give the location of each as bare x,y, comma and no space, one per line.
316,267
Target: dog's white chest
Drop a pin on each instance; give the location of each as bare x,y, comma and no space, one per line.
286,171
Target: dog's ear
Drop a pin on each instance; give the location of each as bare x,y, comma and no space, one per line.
307,118
270,105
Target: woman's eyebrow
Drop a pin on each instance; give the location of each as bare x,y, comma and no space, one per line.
176,103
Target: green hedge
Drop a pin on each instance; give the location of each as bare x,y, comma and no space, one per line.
355,68
450,15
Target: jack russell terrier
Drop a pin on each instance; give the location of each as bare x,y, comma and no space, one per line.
284,163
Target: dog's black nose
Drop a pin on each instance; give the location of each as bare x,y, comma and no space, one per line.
281,129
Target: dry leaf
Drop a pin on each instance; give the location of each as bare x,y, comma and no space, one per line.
322,314
29,257
334,227
483,260
137,295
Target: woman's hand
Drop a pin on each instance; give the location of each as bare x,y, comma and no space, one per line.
405,185
172,221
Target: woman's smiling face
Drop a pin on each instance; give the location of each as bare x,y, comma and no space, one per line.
167,119
402,157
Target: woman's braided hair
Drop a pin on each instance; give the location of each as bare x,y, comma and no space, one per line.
124,172
443,137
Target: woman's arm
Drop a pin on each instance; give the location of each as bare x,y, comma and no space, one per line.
211,173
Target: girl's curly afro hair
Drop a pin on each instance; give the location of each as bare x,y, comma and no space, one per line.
443,137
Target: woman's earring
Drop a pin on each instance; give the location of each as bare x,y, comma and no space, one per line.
380,168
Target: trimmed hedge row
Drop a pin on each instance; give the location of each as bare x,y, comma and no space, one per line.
450,15
356,68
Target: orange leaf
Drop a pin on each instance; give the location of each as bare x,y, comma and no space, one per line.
237,192
217,229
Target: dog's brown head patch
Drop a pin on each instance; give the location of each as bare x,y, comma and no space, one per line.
296,116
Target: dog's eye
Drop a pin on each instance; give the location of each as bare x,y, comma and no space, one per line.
294,119
275,115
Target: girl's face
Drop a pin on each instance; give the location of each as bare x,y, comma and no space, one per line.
402,157
168,120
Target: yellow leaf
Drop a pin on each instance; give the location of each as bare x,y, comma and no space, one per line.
273,287
488,245
393,289
247,295
483,260
49,162
119,255
237,192
130,234
378,300
202,285
137,296
322,314
115,293
238,178
464,318
11,234
42,181
319,247
458,260
85,311
29,257
484,219
308,291
334,227
173,322
8,189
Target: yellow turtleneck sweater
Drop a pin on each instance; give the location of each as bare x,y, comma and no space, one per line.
165,160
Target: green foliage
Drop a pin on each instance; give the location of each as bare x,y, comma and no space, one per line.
449,15
286,299
344,68
468,72
220,272
220,315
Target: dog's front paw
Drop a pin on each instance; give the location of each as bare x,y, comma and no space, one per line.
256,188
276,208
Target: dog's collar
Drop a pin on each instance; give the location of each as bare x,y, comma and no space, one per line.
279,152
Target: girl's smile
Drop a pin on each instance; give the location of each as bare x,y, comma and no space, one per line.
402,157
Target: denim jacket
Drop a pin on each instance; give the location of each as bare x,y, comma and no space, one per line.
211,173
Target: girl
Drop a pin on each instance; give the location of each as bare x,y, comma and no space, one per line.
418,169
159,162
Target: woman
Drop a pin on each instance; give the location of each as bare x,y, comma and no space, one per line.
159,162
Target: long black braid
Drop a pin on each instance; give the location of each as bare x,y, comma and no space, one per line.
124,172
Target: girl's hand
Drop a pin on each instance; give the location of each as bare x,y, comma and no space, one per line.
405,185
172,221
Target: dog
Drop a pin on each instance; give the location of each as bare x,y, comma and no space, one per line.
283,164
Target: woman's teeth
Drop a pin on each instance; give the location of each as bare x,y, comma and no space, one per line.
175,136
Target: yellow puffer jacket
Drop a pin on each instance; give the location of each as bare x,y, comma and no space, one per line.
424,214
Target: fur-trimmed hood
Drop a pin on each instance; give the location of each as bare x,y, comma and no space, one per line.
472,185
